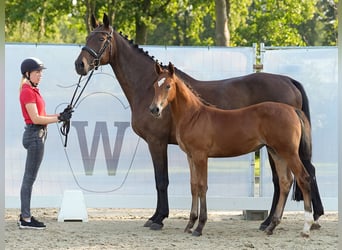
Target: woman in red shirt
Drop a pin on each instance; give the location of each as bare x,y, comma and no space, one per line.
36,120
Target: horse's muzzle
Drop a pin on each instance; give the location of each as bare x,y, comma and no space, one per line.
155,111
80,67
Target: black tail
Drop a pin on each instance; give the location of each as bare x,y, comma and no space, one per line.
305,154
305,99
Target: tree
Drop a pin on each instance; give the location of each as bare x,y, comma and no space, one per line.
42,21
177,22
276,22
221,27
322,28
185,23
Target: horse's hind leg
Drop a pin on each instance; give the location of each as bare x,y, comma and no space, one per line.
285,182
275,180
315,196
303,181
317,205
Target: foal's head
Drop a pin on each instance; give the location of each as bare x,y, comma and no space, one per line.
164,89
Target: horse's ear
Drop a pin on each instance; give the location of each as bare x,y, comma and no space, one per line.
158,69
105,20
94,23
171,68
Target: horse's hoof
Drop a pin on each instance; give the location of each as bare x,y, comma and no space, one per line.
188,230
195,233
263,227
305,235
268,231
156,226
315,226
148,223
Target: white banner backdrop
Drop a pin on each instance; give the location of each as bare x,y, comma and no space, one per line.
316,68
111,164
104,157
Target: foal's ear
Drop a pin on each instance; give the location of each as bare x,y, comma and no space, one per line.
94,23
171,68
105,20
158,68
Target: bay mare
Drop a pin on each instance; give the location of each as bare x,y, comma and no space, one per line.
204,131
133,68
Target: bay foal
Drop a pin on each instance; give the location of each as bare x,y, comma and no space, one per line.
204,131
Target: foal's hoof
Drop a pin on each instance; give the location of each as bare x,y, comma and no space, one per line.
148,223
315,226
305,235
156,226
195,233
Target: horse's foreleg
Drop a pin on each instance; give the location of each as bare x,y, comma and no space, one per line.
202,217
194,211
159,158
201,165
194,193
275,180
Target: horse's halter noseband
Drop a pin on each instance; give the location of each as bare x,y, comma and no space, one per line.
97,55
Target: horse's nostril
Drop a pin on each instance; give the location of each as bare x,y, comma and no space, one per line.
154,110
79,65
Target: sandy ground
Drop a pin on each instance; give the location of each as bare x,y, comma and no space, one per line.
123,229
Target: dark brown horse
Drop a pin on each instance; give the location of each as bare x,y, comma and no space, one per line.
204,131
133,67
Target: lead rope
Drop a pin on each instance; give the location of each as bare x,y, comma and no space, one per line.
66,124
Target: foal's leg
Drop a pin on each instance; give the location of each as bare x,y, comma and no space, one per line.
202,174
303,181
315,196
194,194
285,182
199,186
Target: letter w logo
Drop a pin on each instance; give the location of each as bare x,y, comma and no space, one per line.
100,130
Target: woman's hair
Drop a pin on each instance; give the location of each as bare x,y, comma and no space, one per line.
23,80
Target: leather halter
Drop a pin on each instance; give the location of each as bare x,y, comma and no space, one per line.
97,55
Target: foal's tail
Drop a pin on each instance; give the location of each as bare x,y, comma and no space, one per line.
305,146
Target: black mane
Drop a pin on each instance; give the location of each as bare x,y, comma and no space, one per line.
136,46
141,50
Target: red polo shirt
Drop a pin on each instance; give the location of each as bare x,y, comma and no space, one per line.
30,94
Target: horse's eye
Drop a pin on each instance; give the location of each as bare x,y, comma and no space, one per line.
168,86
102,39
